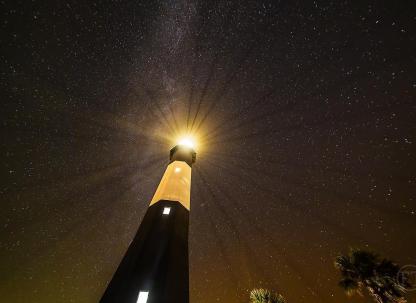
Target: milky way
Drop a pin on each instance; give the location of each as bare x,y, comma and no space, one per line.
305,114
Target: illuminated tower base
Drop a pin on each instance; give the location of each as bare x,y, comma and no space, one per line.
155,268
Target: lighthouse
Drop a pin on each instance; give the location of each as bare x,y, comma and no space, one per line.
155,267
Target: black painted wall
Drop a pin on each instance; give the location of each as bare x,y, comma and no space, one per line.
156,261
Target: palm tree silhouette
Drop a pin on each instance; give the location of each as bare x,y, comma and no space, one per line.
362,269
261,295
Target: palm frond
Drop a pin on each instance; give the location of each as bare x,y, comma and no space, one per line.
363,269
261,295
349,285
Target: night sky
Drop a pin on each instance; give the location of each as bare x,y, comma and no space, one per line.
305,116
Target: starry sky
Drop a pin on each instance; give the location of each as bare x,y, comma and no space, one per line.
304,113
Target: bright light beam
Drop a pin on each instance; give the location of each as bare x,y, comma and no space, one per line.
188,142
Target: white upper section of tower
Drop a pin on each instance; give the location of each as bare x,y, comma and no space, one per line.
175,184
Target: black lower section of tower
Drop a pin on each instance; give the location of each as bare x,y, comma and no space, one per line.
157,259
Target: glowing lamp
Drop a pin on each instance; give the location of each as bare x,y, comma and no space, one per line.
188,142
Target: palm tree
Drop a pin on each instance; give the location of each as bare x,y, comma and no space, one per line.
362,269
260,295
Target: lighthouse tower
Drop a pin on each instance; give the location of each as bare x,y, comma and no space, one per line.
155,267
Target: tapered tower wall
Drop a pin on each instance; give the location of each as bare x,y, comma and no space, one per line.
155,267
157,259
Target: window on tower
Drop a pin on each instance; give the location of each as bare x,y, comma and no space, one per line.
142,297
166,211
